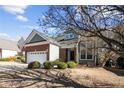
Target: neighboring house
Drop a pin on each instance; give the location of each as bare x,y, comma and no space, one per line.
20,44
67,47
8,48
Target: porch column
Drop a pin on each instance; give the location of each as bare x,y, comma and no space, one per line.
77,52
77,49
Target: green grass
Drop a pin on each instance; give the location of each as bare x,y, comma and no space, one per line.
4,59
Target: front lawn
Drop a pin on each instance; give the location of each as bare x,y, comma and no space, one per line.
79,77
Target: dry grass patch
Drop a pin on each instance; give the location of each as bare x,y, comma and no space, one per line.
78,77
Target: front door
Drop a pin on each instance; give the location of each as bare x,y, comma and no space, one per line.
71,55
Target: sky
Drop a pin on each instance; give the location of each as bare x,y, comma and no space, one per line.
18,21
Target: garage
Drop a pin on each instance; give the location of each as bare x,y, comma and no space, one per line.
39,47
40,56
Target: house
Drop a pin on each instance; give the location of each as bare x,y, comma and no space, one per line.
67,47
20,45
8,48
80,49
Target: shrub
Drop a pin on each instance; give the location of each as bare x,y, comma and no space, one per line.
12,58
34,65
20,59
62,65
120,62
4,59
48,65
58,60
23,60
71,64
8,59
55,64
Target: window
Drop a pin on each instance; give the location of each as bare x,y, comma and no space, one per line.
69,36
89,50
86,50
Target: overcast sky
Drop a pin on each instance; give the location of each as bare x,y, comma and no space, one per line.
17,21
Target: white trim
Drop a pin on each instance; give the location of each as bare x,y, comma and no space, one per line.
69,46
38,43
53,52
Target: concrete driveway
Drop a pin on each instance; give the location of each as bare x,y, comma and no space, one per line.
12,66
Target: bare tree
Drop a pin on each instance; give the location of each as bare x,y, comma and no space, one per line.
89,21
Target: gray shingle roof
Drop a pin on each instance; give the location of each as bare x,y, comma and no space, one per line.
8,44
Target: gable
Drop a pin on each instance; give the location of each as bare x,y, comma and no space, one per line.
37,38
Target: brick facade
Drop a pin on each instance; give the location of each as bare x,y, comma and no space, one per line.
64,55
44,47
63,51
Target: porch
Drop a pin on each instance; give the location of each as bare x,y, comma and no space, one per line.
83,53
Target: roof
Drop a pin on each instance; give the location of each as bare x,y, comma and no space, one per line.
8,44
69,44
34,32
21,43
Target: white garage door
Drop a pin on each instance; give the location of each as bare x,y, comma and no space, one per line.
40,56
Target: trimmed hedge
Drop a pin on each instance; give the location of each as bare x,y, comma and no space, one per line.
34,65
62,65
48,65
21,59
54,63
71,64
59,65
